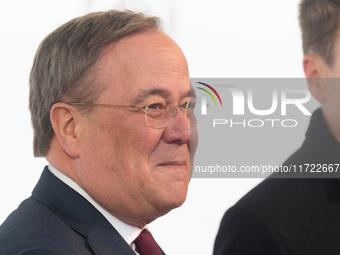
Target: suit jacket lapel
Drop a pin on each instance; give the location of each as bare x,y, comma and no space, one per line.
80,215
105,240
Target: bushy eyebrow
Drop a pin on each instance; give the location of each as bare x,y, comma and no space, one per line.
144,94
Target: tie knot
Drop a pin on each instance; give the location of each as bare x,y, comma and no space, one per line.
146,244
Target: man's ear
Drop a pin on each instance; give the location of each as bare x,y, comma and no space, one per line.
65,123
316,69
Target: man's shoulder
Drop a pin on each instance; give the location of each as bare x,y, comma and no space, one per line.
287,213
58,220
285,189
292,214
274,192
28,218
35,229
20,229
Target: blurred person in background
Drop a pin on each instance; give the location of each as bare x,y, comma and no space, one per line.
299,216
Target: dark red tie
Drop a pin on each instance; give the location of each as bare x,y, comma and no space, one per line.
146,245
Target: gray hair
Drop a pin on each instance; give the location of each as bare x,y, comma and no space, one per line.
63,62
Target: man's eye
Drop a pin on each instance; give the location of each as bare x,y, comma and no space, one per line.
156,106
190,105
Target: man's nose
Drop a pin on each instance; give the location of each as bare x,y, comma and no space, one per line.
179,129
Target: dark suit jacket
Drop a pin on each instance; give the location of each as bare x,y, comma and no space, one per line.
289,216
58,220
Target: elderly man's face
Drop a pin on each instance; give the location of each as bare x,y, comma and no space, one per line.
135,171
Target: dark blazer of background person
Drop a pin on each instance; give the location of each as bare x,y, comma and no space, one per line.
289,216
299,216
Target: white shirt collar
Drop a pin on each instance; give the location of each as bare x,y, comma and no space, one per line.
128,232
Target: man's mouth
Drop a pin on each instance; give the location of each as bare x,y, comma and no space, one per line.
174,164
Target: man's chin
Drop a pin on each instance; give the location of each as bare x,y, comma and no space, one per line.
173,200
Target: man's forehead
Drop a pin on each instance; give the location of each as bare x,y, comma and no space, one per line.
142,47
143,37
144,65
148,50
142,41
